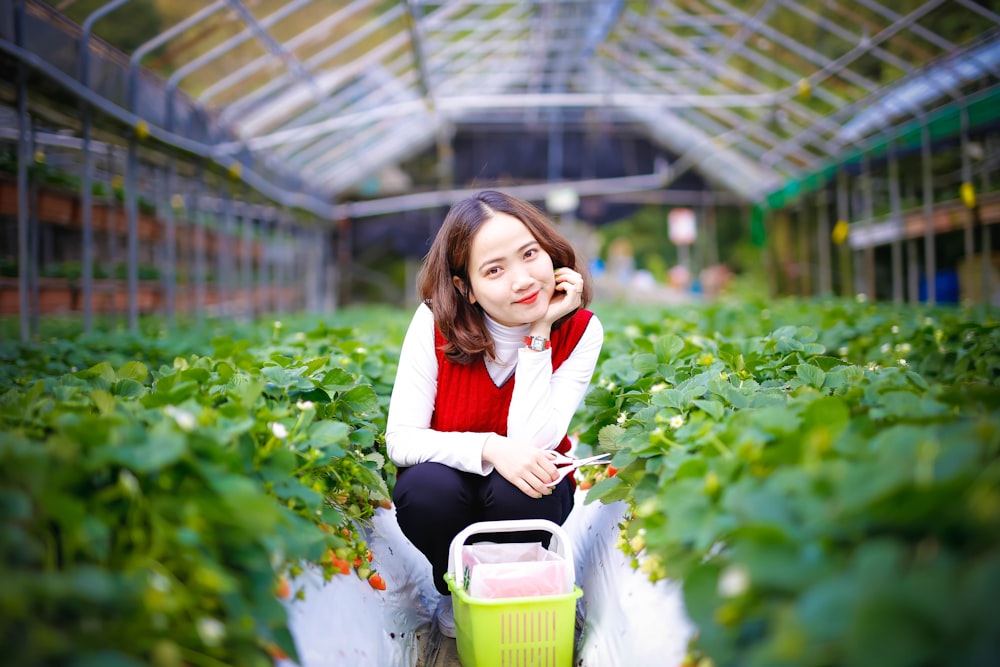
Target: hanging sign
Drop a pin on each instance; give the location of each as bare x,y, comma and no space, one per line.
681,226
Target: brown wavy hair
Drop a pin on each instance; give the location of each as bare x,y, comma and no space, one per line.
463,324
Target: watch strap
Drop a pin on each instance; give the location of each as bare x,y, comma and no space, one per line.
537,343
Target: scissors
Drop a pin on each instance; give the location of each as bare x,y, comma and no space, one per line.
568,464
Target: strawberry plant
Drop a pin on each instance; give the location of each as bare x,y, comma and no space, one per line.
153,500
822,501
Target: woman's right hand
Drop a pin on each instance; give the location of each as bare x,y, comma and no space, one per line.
528,468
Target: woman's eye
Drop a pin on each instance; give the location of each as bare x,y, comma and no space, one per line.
531,253
493,270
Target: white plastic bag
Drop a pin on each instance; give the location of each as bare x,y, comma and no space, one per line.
518,569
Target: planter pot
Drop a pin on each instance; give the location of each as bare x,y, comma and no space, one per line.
57,207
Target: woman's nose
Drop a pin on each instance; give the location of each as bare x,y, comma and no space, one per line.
521,280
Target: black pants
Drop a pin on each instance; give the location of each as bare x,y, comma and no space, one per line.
434,502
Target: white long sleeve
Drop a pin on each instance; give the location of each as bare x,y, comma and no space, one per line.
542,405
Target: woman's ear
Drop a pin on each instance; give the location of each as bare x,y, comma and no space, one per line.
463,290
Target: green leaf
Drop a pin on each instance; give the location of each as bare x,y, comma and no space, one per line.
671,398
328,432
810,375
162,447
129,389
714,409
133,370
338,380
667,347
362,438
360,399
611,437
608,490
104,401
316,364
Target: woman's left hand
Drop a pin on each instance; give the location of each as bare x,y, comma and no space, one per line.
568,295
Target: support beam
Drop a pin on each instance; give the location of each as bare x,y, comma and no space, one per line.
930,259
895,212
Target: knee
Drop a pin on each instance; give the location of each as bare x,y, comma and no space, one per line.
427,486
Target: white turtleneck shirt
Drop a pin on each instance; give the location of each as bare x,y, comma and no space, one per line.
542,405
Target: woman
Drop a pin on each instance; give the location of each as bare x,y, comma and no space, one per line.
495,362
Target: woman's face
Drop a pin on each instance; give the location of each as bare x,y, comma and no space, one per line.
511,276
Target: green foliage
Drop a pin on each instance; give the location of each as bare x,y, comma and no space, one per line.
822,477
135,23
153,491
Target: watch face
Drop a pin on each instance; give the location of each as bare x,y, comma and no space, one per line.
537,343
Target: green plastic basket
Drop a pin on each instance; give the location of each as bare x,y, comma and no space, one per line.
524,631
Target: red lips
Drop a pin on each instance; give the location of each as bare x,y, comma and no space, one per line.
530,299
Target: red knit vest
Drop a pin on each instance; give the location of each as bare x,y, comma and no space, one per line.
468,400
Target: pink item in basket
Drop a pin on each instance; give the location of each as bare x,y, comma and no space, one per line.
513,570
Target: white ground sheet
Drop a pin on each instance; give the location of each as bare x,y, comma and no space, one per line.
628,620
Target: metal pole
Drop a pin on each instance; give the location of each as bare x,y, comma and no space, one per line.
199,246
895,207
246,262
868,198
132,214
87,221
223,259
86,186
969,221
930,268
843,253
34,228
23,155
987,246
170,261
823,242
805,252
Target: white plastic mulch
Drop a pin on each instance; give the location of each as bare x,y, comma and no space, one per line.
628,620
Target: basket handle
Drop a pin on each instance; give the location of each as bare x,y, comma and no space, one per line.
562,544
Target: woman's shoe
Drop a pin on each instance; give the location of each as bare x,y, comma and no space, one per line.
445,617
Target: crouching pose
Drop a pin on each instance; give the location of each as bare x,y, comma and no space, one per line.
494,364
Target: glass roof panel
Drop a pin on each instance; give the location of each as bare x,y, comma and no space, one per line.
771,89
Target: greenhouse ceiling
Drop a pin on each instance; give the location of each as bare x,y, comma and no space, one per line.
319,94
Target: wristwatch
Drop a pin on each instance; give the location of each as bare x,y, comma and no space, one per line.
537,343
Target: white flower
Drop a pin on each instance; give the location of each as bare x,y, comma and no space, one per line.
632,331
861,297
279,430
304,405
885,348
903,348
895,329
622,417
277,324
361,350
211,631
734,581
658,387
843,351
676,421
128,482
158,582
902,362
183,418
611,386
